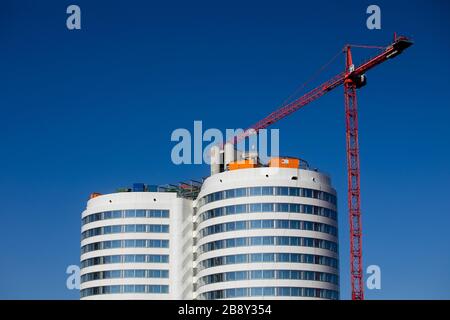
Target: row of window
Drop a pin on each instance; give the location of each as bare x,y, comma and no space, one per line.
127,288
268,241
268,224
114,244
268,257
126,258
267,207
116,274
132,213
267,191
126,228
269,275
269,292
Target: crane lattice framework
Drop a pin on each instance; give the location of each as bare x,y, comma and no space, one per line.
352,78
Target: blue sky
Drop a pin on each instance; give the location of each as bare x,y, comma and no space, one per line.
93,110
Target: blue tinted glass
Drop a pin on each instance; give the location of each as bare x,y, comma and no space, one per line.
267,224
139,273
256,241
268,257
267,207
114,289
241,258
256,292
255,191
240,225
241,192
268,291
256,257
140,288
230,209
115,274
140,228
129,243
240,242
130,213
140,258
294,224
229,193
117,214
128,288
128,273
255,224
140,214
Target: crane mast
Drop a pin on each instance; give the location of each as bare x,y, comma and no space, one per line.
353,197
352,78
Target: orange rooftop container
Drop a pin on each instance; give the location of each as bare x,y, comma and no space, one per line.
284,162
242,164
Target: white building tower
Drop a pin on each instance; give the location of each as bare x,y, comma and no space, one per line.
266,232
131,246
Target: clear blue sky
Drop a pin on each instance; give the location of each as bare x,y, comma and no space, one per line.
92,110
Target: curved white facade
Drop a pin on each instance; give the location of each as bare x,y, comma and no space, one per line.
266,233
137,245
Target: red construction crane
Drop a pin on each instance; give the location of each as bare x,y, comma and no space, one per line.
352,78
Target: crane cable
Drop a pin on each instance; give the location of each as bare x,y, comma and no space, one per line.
313,77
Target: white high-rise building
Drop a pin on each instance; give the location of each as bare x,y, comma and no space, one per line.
137,245
249,232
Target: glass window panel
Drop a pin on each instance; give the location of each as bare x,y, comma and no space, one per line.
140,228
256,274
283,191
229,193
241,192
129,288
140,288
241,225
268,257
240,208
267,207
256,292
139,273
140,214
267,224
269,291
129,243
256,257
128,273
255,224
294,192
117,214
140,258
255,191
130,213
255,207
267,191
240,242
256,241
